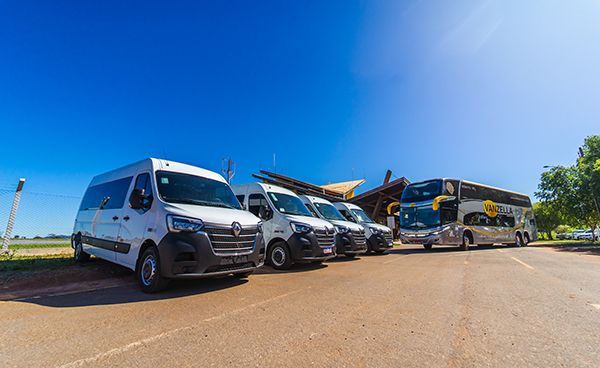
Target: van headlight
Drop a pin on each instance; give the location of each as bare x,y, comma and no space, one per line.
341,229
300,228
187,224
375,230
259,226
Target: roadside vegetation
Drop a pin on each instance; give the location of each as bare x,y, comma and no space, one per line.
39,245
570,195
11,262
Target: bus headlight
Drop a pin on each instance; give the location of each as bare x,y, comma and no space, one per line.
187,224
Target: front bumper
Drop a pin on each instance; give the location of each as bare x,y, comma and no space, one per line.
346,244
306,248
190,255
379,242
430,237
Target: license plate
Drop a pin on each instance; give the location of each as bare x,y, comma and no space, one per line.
234,260
327,250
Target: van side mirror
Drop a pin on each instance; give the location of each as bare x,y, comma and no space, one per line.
265,212
138,200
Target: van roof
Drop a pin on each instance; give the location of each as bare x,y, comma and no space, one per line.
315,199
264,187
153,165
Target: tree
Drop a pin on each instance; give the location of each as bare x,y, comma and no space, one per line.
574,189
547,217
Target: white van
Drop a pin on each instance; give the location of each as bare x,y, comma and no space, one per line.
289,230
379,237
167,220
350,238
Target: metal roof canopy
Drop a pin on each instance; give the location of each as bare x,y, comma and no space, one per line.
376,200
298,186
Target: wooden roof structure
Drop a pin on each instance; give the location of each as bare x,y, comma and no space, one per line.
376,200
299,186
345,188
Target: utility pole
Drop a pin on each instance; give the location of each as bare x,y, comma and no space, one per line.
13,215
228,169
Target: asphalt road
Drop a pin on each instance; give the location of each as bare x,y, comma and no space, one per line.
492,307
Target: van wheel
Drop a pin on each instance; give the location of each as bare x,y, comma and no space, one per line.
280,257
466,241
148,272
79,254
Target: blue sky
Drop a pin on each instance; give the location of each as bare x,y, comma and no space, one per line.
483,90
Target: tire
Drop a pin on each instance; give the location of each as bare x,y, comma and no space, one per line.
428,246
526,240
148,272
380,251
280,257
466,241
369,248
78,254
243,275
518,241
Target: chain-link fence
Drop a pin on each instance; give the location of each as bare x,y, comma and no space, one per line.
40,219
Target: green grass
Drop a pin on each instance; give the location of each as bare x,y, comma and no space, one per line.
12,262
39,245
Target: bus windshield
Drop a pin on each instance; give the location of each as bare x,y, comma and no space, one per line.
419,217
329,211
422,191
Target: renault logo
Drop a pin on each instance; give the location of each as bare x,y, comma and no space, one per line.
236,229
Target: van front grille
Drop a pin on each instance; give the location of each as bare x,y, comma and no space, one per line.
389,237
325,238
223,240
359,237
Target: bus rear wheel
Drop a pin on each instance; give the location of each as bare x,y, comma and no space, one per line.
518,241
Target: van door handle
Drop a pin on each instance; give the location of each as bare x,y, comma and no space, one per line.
115,218
126,218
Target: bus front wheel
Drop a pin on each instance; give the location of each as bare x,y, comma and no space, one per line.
466,241
428,246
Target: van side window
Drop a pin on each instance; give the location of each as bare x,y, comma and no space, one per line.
255,202
347,215
241,199
311,209
143,182
112,193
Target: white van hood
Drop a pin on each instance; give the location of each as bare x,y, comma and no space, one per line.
351,225
378,226
213,215
312,221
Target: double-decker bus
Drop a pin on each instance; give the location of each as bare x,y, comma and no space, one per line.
459,212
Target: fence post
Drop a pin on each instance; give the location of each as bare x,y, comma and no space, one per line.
12,216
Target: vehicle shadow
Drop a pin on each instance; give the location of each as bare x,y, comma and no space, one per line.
584,247
298,267
344,259
130,293
412,249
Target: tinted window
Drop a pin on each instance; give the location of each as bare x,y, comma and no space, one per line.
329,211
240,198
143,182
470,191
481,219
422,191
347,215
113,192
311,209
289,204
255,202
191,189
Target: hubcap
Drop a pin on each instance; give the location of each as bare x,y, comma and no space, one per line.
148,270
518,241
278,257
466,240
77,250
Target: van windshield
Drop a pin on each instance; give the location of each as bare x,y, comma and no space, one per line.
329,211
289,205
362,216
191,189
